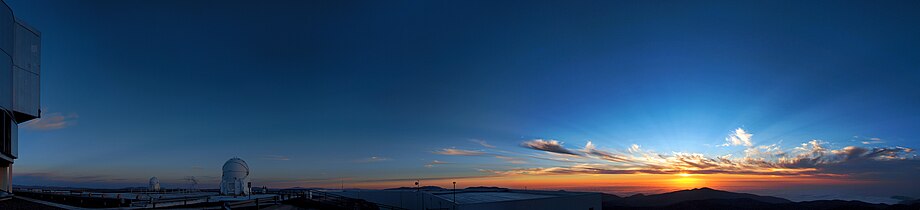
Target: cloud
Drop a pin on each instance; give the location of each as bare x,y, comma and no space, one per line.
483,143
435,163
807,165
452,151
275,157
874,140
634,148
52,121
813,158
512,160
373,159
739,137
549,146
557,159
591,150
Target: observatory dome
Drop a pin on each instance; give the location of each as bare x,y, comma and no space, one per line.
236,167
154,184
235,179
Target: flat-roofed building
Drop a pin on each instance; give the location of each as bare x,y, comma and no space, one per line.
20,65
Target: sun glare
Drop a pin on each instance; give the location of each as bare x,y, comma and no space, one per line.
686,181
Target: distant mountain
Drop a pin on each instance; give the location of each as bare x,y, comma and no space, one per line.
486,188
706,198
906,200
665,199
426,188
47,187
837,204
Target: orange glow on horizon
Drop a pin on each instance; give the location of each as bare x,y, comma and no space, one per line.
606,182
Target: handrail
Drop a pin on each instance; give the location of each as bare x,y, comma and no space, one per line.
257,201
334,199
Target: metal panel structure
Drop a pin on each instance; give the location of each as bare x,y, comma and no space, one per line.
6,82
27,48
20,98
25,93
6,29
26,69
6,54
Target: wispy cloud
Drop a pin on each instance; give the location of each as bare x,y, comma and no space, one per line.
435,163
874,140
512,160
275,157
52,121
634,148
549,146
452,151
812,158
482,142
373,159
592,150
739,137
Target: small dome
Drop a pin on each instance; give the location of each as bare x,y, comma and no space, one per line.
154,180
154,184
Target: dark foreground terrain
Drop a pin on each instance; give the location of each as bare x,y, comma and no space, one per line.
706,198
16,203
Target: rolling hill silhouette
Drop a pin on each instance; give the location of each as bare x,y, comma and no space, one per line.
707,198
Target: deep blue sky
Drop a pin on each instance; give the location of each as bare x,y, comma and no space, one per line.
174,88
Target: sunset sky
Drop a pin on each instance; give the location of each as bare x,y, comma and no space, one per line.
811,100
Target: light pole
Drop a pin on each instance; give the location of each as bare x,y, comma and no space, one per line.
455,195
418,190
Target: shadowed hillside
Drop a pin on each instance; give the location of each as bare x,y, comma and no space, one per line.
706,198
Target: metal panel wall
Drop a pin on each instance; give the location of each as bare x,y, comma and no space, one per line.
6,53
27,49
26,69
6,28
6,82
25,92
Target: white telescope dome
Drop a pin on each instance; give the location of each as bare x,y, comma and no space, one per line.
154,184
235,179
236,167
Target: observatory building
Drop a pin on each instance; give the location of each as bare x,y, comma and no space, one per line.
154,184
20,49
235,179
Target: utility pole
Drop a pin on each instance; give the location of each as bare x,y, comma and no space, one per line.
455,195
418,190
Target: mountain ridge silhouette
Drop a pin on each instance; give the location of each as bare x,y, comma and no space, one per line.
708,198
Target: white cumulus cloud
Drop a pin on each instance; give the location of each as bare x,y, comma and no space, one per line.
739,138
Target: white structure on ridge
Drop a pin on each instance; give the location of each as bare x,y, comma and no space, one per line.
154,184
235,180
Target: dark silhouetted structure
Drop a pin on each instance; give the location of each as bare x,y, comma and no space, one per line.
19,86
